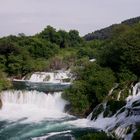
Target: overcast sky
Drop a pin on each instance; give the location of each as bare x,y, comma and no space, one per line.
31,16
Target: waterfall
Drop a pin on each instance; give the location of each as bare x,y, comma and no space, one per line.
32,105
124,120
135,93
44,81
37,116
52,77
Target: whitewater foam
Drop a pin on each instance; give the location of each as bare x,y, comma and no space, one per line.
31,105
49,77
122,121
51,134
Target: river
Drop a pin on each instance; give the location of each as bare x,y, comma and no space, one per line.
33,115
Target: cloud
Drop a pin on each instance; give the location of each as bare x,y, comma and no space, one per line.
31,16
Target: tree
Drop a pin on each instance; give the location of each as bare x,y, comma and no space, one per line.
4,83
91,86
122,51
74,38
64,39
42,49
50,34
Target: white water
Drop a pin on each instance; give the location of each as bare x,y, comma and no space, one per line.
32,105
135,94
120,122
36,115
36,107
51,134
92,60
50,77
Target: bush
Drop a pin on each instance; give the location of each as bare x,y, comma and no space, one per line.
122,52
96,136
4,83
91,86
137,134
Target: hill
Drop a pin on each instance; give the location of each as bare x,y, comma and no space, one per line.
107,32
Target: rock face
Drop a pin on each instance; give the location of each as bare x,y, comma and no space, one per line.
120,118
0,103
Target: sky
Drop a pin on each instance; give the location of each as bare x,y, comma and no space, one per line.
31,16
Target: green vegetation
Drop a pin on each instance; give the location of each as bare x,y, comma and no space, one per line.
49,50
117,53
107,33
137,134
0,104
4,82
123,52
97,111
96,136
118,61
90,87
22,54
116,50
112,107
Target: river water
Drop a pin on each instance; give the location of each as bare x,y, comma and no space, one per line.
33,115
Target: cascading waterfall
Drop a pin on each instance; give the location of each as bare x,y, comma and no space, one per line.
124,120
35,115
49,77
33,105
44,81
42,115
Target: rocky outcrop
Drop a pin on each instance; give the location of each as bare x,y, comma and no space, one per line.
0,103
119,118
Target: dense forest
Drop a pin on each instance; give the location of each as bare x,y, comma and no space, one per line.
116,50
22,54
117,61
107,32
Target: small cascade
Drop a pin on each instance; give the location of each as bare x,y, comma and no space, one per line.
44,81
52,77
119,95
135,93
36,115
33,105
111,91
122,124
40,77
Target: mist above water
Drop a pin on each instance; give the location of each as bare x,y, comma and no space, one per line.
32,105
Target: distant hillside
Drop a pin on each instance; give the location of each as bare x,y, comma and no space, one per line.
106,33
131,21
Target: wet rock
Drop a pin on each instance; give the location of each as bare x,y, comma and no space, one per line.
97,111
67,108
0,103
112,107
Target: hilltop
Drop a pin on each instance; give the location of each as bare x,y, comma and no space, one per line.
107,32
